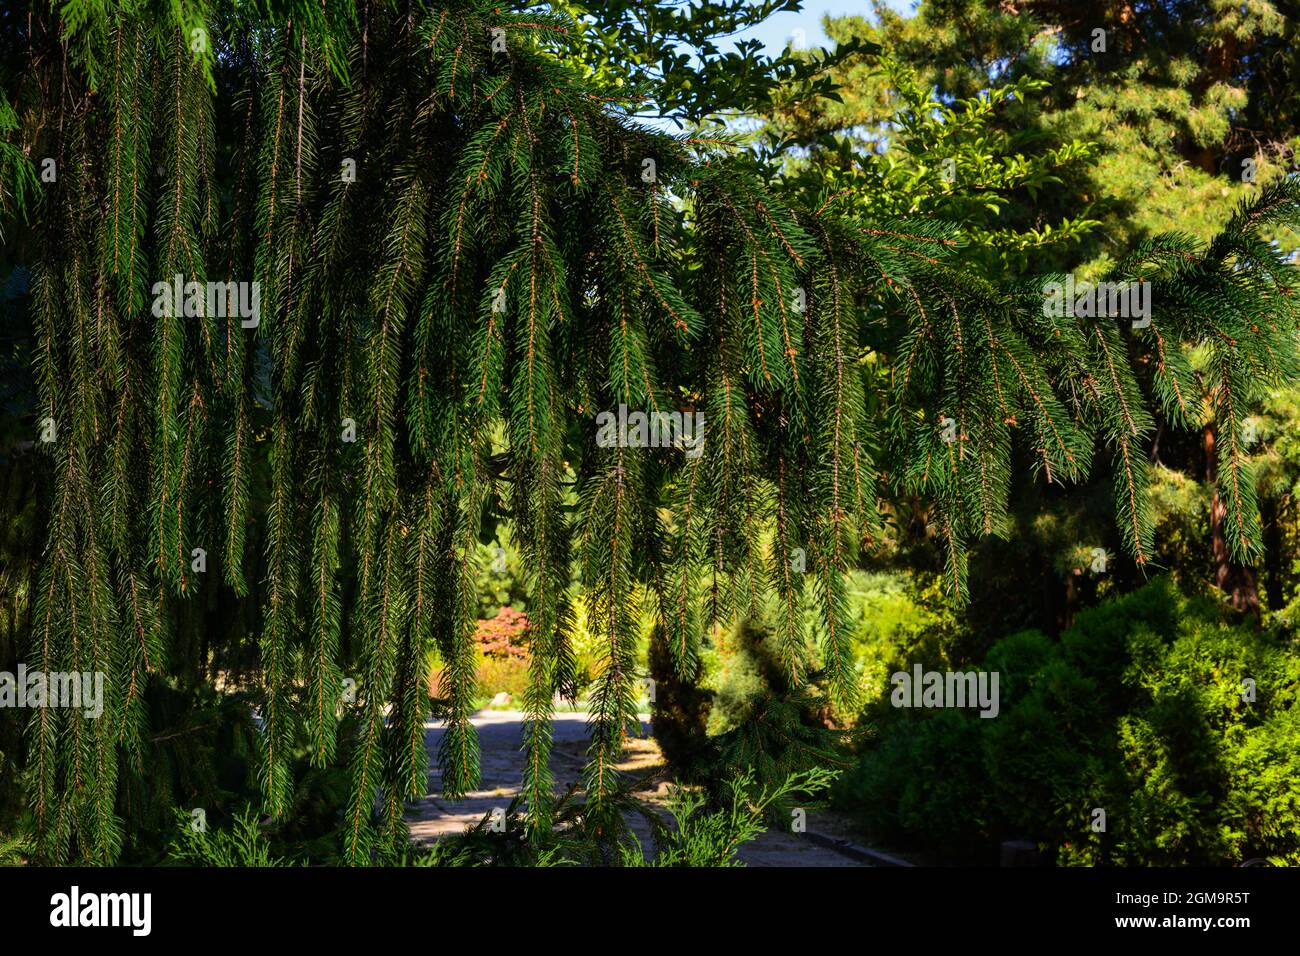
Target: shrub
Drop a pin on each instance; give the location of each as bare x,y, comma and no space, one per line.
679,712
710,837
504,637
697,833
243,844
1138,710
502,643
745,659
897,617
937,785
754,722
503,674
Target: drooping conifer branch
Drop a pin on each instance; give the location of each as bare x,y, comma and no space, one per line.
460,265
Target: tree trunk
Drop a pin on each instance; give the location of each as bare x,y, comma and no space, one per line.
1271,514
1236,580
1071,598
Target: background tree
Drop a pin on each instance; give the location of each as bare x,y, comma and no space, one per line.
1169,99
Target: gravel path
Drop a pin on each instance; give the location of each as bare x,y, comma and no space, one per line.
502,767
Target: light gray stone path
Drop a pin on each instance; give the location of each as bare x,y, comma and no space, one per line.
502,764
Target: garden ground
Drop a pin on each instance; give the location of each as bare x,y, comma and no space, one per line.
499,734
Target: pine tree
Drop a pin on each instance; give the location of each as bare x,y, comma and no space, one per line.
465,252
1189,112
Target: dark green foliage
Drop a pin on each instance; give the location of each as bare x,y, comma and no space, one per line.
242,845
1181,113
20,507
691,833
679,713
757,724
700,837
576,835
17,177
500,270
1137,710
923,787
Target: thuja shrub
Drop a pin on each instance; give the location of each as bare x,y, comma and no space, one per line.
1180,725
